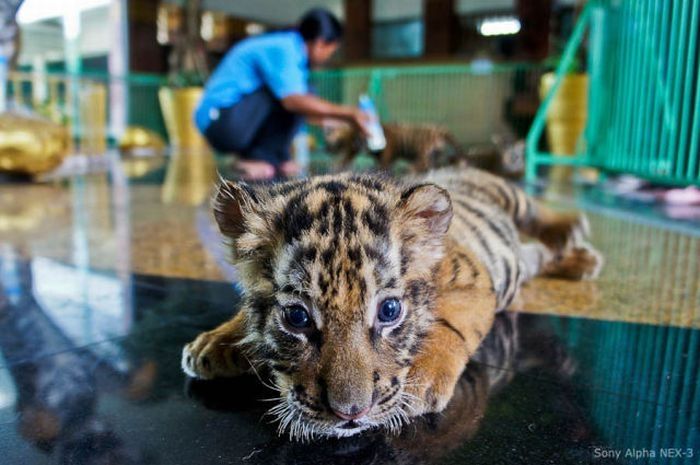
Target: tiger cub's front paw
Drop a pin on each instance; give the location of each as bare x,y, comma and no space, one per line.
432,381
213,355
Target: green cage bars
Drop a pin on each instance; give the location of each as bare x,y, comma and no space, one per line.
47,94
474,102
644,91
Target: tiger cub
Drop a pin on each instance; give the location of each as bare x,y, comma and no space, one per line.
364,296
423,146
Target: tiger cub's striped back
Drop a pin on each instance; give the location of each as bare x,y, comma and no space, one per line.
486,212
489,213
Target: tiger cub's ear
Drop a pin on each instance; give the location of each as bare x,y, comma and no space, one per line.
429,206
425,213
232,204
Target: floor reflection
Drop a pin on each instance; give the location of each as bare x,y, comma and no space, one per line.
101,284
67,349
515,353
541,387
55,385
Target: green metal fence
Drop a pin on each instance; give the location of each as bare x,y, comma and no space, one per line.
660,409
653,341
474,102
48,94
644,95
144,107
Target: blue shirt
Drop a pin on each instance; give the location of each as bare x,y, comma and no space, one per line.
277,60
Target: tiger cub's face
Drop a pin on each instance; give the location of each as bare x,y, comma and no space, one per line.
338,280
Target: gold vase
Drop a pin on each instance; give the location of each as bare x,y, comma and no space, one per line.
191,171
189,177
178,107
138,141
566,117
142,151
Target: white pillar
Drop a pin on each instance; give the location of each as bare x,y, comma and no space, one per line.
71,35
118,65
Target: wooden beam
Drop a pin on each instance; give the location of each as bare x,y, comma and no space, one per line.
145,54
358,30
441,28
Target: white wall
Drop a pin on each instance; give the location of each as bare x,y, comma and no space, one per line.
45,38
474,6
392,10
95,37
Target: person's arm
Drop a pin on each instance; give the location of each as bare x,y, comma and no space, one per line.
319,109
288,81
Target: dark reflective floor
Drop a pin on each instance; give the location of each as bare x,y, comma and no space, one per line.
101,284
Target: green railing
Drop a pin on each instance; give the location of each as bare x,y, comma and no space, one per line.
144,107
644,95
474,102
48,94
661,407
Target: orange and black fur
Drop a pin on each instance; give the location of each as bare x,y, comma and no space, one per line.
423,146
364,296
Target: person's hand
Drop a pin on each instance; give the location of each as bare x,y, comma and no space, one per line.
361,120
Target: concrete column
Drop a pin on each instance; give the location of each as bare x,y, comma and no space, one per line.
118,65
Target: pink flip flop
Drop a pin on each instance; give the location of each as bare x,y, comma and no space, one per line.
688,196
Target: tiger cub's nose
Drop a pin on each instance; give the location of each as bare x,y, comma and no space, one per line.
354,413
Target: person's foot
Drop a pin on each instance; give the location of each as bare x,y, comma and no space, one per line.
289,169
688,196
255,170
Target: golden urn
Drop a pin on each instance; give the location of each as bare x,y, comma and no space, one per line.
30,144
178,106
191,172
139,141
566,117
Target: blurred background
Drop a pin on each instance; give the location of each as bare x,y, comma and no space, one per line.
124,76
96,67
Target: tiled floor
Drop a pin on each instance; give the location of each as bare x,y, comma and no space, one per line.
101,284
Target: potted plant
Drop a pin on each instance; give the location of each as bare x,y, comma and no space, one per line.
566,117
186,75
568,110
191,171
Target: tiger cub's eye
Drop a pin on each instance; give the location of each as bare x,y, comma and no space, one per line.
389,310
297,317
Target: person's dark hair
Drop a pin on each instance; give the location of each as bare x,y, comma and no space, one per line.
320,23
